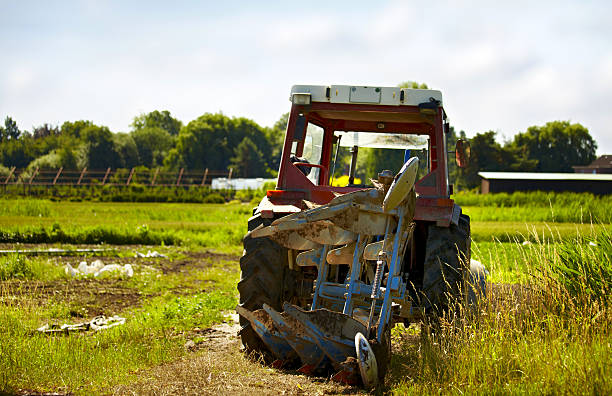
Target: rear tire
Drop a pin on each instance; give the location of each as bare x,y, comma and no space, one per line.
265,279
447,260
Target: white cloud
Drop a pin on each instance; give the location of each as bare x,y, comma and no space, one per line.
500,66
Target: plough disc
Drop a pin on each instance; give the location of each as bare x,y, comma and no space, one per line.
323,340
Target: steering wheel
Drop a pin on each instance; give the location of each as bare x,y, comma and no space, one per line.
309,165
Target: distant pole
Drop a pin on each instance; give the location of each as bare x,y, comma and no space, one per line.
106,175
180,175
155,176
33,176
59,172
81,177
204,177
229,176
9,175
130,177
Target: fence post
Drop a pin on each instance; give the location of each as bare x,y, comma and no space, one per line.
155,176
106,175
204,177
33,176
229,176
130,177
180,175
81,177
9,175
59,172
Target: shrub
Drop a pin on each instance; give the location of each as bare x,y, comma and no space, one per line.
213,198
15,266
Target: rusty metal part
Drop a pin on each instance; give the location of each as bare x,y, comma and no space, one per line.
309,258
342,255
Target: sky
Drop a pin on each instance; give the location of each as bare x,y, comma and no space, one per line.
501,66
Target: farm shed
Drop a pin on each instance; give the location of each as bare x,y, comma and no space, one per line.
494,182
602,164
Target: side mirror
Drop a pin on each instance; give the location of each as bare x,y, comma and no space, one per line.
462,153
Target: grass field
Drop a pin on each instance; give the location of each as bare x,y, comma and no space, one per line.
545,327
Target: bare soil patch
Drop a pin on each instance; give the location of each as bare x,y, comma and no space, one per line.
86,297
217,366
90,297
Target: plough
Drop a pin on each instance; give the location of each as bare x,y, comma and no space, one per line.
369,230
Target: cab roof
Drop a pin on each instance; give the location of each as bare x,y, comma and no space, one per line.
359,94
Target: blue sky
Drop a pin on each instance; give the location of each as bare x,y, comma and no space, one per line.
500,65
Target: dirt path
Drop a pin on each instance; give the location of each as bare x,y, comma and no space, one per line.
218,367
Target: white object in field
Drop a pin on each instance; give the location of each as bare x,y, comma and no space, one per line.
97,265
70,271
401,186
359,94
96,324
368,368
107,269
149,254
223,183
97,268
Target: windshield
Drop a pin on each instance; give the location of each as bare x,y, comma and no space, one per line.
375,152
382,140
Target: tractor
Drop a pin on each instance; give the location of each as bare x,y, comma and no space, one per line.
328,270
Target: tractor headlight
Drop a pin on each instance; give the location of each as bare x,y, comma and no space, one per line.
301,98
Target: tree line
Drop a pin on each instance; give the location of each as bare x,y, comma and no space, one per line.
156,139
219,142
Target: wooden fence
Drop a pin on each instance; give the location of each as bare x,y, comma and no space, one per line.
113,177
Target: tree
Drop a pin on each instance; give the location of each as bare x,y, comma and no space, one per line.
126,150
276,139
75,128
17,152
44,131
556,146
100,148
10,130
248,160
68,158
158,119
486,155
210,140
153,145
412,85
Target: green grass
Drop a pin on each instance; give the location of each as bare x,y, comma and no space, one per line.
211,225
89,363
513,231
15,266
547,333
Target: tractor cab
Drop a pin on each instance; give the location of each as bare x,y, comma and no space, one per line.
324,119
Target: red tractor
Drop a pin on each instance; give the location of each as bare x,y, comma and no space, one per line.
326,268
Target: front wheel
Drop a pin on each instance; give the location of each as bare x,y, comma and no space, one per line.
265,279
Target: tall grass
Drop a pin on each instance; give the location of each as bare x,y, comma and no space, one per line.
548,336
